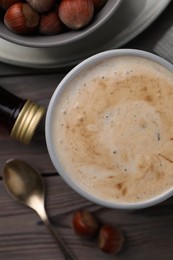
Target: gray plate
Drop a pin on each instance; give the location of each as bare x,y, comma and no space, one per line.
131,19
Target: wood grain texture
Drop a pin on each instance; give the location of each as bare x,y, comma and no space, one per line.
148,233
39,85
39,88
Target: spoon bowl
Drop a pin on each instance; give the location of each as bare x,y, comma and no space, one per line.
24,183
26,186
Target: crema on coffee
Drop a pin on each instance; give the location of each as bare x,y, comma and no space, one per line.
113,130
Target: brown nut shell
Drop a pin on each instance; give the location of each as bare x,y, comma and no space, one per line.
76,14
50,23
21,18
110,239
84,223
41,6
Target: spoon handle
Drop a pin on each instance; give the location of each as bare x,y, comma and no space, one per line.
67,253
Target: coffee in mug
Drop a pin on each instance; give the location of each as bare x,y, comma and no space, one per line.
112,129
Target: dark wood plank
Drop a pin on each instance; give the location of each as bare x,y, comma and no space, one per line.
148,233
39,85
146,41
154,38
38,88
10,70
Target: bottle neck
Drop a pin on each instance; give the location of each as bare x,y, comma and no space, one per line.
10,107
19,116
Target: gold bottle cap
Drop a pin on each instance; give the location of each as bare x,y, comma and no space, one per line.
27,122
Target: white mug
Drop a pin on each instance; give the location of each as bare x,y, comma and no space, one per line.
75,72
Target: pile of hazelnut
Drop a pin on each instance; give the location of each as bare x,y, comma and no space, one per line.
110,238
48,17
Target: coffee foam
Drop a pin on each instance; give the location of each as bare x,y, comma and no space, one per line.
113,130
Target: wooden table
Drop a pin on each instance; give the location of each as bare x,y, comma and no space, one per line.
148,232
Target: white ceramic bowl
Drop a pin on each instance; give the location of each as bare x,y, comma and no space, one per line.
49,122
68,37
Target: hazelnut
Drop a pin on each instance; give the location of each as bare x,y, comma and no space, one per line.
75,14
21,18
85,224
5,4
110,239
41,6
50,23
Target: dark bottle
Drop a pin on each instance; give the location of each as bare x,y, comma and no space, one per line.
19,116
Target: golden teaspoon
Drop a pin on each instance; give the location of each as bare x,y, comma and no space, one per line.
26,186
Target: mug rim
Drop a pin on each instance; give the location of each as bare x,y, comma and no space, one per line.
94,59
